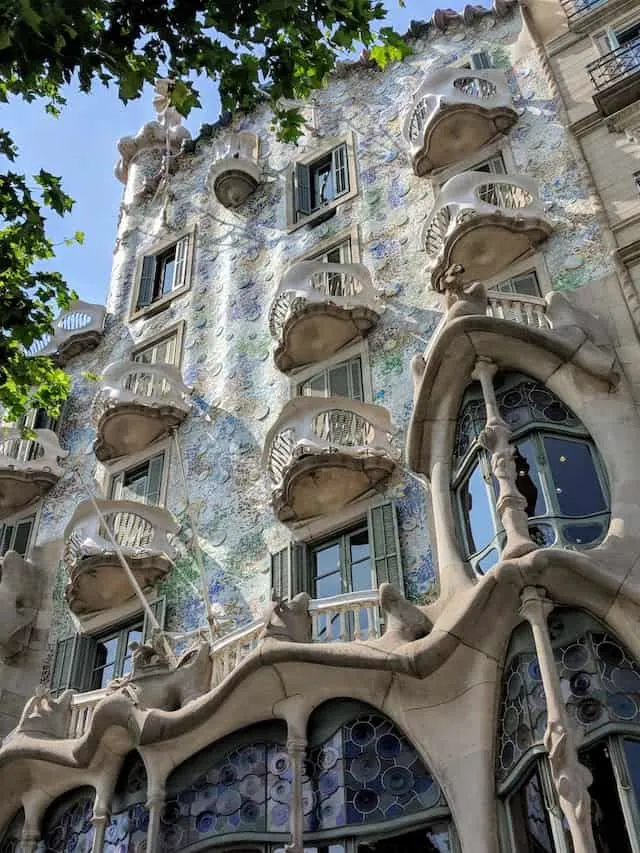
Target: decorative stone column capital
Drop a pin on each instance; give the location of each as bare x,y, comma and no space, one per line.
296,744
484,368
156,798
535,606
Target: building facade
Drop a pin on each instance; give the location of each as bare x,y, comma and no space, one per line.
334,545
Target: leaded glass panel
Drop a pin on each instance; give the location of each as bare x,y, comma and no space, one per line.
366,772
68,826
12,837
126,831
246,790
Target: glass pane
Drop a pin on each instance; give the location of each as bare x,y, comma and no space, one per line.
359,545
528,478
474,502
360,563
316,386
329,585
326,559
356,379
106,651
168,265
529,818
487,561
607,818
526,284
334,256
339,381
105,676
632,755
575,480
432,839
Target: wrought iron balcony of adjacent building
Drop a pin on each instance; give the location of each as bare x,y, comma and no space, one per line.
579,11
76,330
324,453
484,222
454,113
97,579
29,467
320,308
616,78
136,405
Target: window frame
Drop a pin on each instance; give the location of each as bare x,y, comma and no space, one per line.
176,331
531,264
499,147
156,250
128,463
348,354
307,161
121,632
14,520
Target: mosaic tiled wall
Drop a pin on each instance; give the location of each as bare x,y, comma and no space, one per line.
238,261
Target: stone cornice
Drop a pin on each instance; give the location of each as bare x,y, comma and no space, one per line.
585,125
626,121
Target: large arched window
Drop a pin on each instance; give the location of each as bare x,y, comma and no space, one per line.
601,683
68,823
126,831
559,472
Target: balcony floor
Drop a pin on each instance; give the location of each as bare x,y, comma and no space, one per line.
98,582
128,428
19,488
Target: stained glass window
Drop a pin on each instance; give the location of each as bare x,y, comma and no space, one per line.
246,789
12,836
68,826
558,472
126,831
366,772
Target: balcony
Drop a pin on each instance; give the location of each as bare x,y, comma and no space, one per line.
76,330
324,453
136,405
235,174
485,223
526,310
320,308
97,580
616,78
454,113
29,467
344,618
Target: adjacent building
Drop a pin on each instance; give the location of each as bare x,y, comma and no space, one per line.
334,547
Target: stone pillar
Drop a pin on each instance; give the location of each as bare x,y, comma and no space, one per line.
29,841
495,438
297,749
100,821
570,778
155,804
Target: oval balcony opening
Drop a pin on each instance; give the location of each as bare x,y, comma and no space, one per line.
484,225
318,309
76,330
136,405
323,454
97,580
454,114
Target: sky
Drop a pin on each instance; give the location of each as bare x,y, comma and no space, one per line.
80,146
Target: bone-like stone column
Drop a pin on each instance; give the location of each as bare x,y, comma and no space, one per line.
29,841
155,804
297,749
570,778
495,438
100,821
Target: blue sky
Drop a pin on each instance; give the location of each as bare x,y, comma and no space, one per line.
80,146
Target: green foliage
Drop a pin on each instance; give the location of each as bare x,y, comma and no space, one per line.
278,49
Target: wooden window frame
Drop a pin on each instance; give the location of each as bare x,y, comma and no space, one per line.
175,331
127,463
155,251
532,263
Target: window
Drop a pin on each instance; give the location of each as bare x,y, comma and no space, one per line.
338,380
320,183
525,284
163,273
161,351
636,180
142,482
626,36
338,254
493,165
68,822
15,534
558,472
83,662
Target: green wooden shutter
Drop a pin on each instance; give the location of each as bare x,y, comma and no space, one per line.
385,545
340,169
154,480
147,278
159,608
73,663
23,533
303,190
180,266
481,59
301,574
281,573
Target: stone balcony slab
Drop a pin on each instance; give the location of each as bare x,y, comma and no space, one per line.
78,329
29,467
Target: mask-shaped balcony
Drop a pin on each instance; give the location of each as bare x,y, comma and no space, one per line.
235,174
136,405
29,467
454,113
97,580
485,223
320,308
324,453
76,330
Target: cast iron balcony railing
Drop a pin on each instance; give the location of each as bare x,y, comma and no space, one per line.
577,10
324,453
616,77
136,405
485,223
454,113
320,308
343,618
77,329
29,467
97,580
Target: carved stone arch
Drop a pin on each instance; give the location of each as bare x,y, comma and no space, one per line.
129,815
580,373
